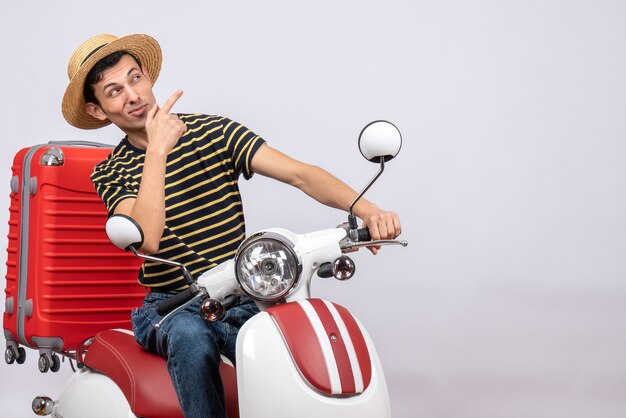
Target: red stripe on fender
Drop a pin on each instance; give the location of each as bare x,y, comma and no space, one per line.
360,346
346,374
303,344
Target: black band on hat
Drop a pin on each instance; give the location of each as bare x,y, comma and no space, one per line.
93,52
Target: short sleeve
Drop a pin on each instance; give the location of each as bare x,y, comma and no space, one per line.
112,186
242,144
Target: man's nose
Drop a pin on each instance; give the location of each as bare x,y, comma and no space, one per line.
132,94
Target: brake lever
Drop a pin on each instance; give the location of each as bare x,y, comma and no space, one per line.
347,245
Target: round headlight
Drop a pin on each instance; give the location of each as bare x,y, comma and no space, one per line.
267,267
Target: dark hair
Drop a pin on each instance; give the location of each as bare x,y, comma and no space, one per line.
95,74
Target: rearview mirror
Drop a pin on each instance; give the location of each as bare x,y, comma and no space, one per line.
380,139
124,232
379,142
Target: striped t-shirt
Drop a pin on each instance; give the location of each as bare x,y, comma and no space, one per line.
204,222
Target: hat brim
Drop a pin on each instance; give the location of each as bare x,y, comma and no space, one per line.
144,47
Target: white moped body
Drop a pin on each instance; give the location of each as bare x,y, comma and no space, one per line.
274,378
299,357
273,386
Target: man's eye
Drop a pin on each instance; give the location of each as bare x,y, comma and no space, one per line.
114,92
136,77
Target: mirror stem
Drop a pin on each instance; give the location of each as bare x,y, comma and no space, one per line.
351,217
186,274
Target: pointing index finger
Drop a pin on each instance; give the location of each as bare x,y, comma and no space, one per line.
171,101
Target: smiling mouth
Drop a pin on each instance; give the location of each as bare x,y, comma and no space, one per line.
138,111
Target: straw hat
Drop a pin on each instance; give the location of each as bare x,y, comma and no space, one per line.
144,47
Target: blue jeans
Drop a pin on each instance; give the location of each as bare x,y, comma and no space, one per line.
192,348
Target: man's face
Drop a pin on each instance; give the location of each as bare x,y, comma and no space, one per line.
125,96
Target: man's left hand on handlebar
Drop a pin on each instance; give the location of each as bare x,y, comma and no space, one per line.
381,224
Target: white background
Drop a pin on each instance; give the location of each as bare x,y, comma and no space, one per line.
510,301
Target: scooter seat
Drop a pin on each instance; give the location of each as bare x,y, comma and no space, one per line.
143,376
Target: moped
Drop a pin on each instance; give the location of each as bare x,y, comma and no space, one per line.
298,357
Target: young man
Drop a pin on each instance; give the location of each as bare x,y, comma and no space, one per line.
176,175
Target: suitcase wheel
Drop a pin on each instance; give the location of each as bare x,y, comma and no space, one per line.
10,356
56,363
46,363
43,363
21,355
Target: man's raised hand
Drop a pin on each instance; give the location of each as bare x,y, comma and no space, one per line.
163,128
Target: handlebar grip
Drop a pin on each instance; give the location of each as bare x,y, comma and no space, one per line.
364,234
174,301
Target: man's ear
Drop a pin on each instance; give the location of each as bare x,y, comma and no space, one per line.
95,111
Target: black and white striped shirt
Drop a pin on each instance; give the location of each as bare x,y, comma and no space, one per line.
204,222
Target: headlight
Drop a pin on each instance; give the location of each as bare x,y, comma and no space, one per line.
267,267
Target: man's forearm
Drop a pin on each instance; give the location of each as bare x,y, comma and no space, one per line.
162,132
325,188
329,190
148,209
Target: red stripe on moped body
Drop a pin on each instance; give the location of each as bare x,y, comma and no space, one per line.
326,344
360,346
303,344
346,374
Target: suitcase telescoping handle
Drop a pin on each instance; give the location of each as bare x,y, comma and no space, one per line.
54,156
81,143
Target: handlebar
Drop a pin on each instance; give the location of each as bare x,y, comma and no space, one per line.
361,237
363,234
165,306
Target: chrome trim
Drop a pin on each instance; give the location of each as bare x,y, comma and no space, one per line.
290,247
43,405
343,268
53,156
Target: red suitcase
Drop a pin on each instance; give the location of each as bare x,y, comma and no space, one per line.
65,281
